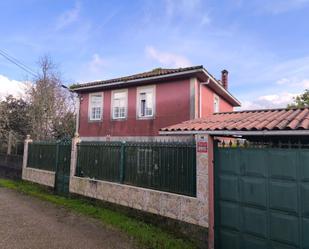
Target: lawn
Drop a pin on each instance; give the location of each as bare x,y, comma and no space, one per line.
146,235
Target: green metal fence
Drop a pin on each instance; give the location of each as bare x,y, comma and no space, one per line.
169,167
14,160
99,160
42,155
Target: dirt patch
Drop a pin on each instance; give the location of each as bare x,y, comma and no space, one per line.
26,222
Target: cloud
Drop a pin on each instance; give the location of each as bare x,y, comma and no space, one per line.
96,64
189,10
205,20
93,69
279,100
185,7
294,82
11,87
68,17
166,58
273,6
282,6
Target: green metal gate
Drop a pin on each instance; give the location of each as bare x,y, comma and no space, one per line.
261,197
63,159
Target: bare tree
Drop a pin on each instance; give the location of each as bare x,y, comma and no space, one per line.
51,106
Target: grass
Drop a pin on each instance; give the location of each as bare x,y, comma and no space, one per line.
146,235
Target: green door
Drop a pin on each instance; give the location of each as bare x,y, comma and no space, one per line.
261,198
63,167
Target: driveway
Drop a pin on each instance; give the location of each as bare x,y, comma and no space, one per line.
26,222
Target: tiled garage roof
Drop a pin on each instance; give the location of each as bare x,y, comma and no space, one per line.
255,120
153,73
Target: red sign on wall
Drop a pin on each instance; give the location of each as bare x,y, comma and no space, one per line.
202,147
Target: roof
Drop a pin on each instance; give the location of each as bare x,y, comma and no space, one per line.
246,122
148,74
156,75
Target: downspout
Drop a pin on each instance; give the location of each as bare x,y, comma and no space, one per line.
77,113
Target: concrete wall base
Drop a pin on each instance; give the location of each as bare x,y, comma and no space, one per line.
179,207
43,177
185,138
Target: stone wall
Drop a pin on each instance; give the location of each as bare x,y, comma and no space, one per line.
179,207
43,177
194,210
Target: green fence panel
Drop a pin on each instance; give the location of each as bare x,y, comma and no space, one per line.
99,160
169,167
42,155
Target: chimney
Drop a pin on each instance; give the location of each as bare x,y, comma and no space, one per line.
225,78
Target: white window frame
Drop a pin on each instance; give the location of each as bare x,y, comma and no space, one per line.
145,89
216,99
90,118
113,104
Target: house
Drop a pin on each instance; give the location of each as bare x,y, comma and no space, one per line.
136,107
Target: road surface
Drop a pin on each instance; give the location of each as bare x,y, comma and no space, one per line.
29,223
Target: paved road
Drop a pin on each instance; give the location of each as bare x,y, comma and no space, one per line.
29,223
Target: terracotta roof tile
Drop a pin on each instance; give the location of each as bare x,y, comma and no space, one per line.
252,120
152,73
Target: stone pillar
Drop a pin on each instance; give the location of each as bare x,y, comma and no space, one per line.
75,141
25,156
10,143
204,180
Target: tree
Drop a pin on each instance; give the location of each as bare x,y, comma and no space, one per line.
14,113
51,106
14,116
301,100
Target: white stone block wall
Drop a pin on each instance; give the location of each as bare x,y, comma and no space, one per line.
193,210
179,207
43,177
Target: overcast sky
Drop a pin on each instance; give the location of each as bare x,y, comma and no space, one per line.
263,43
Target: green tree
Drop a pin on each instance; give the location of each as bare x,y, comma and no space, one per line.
15,118
301,100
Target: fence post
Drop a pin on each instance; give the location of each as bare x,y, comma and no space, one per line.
75,141
10,143
25,156
122,161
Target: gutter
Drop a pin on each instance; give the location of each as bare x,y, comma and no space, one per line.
240,133
203,70
220,86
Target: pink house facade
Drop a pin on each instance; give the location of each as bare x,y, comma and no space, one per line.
136,107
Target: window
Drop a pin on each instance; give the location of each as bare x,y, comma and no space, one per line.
95,106
145,102
216,103
119,105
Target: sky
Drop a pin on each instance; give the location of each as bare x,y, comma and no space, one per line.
262,43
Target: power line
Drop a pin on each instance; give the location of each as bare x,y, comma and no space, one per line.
16,60
17,63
